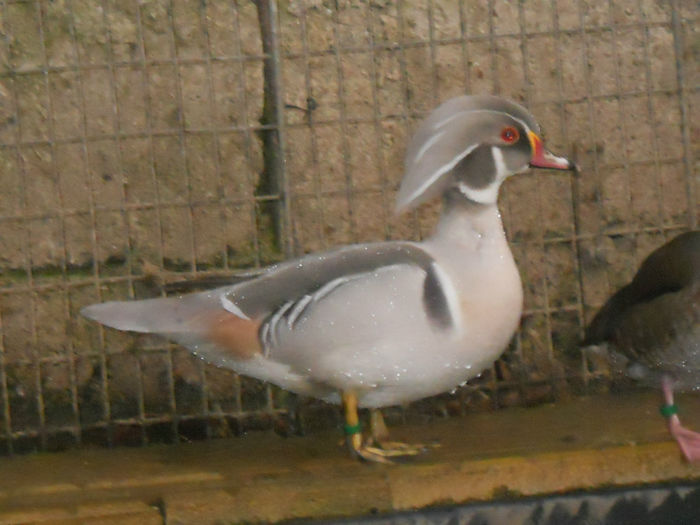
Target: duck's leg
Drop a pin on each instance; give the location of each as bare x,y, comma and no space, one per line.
353,432
688,441
376,448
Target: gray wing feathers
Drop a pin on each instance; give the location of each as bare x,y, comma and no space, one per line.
166,315
318,274
294,289
282,294
438,304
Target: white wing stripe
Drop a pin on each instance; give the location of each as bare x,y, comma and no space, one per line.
265,338
275,319
230,306
298,307
329,287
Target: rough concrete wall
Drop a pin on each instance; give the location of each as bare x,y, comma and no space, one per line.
131,155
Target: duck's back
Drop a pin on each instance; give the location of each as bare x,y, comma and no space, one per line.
655,320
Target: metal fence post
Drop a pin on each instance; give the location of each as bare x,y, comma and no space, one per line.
273,181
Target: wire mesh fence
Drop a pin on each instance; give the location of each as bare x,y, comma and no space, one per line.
144,143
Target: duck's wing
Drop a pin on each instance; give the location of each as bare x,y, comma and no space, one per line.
667,270
303,283
235,322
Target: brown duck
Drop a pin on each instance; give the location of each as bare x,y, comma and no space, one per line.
654,325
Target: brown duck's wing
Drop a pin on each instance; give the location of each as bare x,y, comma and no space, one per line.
669,269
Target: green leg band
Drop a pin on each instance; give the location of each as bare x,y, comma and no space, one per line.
352,429
668,410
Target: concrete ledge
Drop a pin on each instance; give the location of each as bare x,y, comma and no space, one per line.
121,512
585,444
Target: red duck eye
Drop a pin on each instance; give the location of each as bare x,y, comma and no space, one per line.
509,135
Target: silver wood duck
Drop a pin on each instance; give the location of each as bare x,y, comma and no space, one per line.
378,324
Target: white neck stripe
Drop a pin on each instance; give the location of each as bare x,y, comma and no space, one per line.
487,195
499,163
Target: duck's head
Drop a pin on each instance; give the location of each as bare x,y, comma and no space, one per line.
468,146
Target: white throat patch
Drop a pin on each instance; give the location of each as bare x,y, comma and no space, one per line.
488,194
